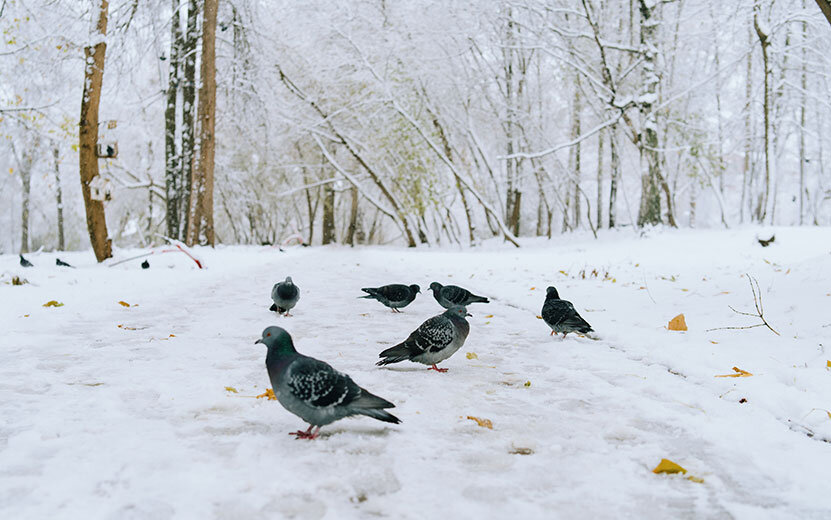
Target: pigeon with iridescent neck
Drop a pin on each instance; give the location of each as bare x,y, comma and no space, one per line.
561,315
313,390
433,341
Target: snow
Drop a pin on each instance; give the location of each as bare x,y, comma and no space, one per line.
108,422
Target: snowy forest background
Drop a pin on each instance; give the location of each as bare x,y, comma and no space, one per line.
373,121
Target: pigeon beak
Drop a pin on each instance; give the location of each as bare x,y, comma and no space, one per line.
258,341
469,314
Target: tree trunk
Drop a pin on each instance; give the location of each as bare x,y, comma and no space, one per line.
24,165
202,216
747,166
188,157
328,214
650,208
575,133
510,163
59,198
803,102
599,218
353,218
88,136
173,175
764,42
615,176
449,153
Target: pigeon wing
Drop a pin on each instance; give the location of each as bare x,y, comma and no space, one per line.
318,384
433,335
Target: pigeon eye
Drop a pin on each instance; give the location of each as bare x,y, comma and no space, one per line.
268,335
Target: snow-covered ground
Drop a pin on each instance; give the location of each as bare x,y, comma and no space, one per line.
115,412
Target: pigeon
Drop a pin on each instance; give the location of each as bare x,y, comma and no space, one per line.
25,263
394,296
145,265
61,263
285,295
561,316
313,390
450,295
433,341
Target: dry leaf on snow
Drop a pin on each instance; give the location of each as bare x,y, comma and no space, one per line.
484,423
268,394
124,304
472,355
667,466
53,303
231,389
738,373
677,323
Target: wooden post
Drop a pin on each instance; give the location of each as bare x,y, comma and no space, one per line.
88,135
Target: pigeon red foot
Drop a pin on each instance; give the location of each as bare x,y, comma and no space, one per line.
307,434
437,369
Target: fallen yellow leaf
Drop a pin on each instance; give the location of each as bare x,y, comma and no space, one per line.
827,363
53,303
484,423
26,316
533,288
489,316
563,272
123,303
528,383
714,342
667,466
738,373
231,389
268,394
695,479
677,323
539,317
172,336
125,327
472,355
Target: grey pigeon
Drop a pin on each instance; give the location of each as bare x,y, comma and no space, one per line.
313,390
145,265
561,316
433,341
395,296
25,263
285,295
450,295
61,263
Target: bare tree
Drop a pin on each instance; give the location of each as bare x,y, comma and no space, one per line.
94,55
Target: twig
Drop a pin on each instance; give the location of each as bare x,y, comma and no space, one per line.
760,312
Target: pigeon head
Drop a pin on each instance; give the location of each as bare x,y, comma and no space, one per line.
415,288
457,311
288,280
551,292
276,338
435,286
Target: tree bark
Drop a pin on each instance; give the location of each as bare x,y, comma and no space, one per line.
575,133
59,198
88,135
353,218
599,218
650,208
328,214
803,102
188,157
202,216
747,166
613,154
825,7
24,165
764,42
173,171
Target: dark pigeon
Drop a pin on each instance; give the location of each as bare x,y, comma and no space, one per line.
395,296
561,316
145,265
433,341
313,390
285,295
61,263
25,263
450,295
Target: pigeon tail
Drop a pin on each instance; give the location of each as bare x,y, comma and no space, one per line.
273,307
381,415
396,354
478,299
370,292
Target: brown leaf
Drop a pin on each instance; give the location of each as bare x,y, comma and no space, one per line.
123,303
489,316
231,389
667,466
484,423
521,451
268,394
677,323
738,373
53,303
